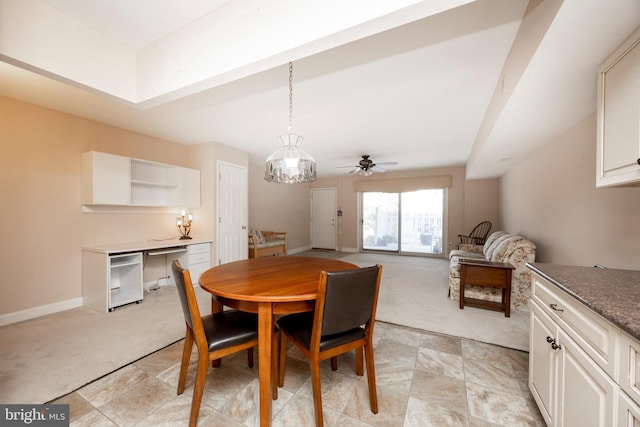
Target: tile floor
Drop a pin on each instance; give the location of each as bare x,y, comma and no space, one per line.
424,379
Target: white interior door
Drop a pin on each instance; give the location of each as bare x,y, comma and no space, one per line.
232,215
323,218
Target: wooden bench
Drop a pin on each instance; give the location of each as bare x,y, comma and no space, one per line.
267,243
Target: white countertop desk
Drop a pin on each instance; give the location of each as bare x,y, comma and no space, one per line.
112,273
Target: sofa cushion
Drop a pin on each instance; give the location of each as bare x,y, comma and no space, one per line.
259,236
269,244
492,242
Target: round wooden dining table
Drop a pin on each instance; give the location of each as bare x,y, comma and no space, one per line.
268,286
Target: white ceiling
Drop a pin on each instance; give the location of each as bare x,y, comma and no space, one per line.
420,93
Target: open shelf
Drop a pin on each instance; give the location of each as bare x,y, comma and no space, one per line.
125,279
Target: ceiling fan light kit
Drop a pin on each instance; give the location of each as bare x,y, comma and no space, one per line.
290,164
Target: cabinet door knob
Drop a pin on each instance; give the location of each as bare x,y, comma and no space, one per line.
550,340
638,161
555,346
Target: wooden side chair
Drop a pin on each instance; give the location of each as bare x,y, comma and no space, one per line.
215,335
478,235
343,320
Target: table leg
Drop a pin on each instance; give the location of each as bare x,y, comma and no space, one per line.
216,307
265,336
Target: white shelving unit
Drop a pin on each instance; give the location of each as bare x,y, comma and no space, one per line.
125,279
110,180
154,184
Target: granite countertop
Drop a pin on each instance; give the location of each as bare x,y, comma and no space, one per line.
612,293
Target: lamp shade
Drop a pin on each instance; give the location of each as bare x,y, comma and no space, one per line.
290,164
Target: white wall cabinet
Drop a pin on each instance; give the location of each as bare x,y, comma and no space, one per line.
583,370
618,150
112,180
106,179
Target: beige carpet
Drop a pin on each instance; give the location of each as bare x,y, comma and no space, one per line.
45,358
413,292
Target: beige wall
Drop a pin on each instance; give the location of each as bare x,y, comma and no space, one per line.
481,203
469,202
279,207
552,199
45,227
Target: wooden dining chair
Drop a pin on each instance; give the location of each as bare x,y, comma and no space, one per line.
216,335
343,320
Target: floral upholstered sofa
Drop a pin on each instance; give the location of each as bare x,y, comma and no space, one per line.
500,246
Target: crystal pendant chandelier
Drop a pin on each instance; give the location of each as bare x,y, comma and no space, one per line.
290,164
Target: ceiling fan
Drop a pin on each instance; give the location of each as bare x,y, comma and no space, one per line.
366,166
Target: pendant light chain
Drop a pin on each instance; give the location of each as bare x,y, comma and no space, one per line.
290,95
290,164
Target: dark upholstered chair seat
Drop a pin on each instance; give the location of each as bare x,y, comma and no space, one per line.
229,328
299,326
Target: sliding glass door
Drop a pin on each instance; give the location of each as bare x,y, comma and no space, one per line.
408,222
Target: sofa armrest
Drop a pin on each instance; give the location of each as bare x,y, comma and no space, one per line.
282,235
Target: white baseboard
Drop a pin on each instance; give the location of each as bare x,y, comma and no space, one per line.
296,250
32,313
308,248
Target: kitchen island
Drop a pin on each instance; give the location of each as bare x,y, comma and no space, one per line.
585,345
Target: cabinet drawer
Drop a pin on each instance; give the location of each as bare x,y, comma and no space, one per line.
198,258
629,374
197,269
592,333
198,248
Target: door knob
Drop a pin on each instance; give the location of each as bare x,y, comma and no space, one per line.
244,227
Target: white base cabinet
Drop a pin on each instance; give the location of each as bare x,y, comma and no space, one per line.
112,276
199,260
125,279
583,370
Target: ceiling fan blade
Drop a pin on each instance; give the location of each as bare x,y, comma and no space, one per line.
340,167
386,164
355,169
377,168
